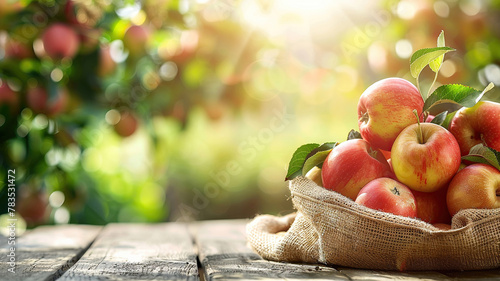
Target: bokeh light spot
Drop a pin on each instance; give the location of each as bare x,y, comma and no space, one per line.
112,117
404,49
56,199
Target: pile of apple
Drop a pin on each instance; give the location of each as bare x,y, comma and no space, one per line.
404,162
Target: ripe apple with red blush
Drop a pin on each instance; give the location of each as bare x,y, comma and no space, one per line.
60,41
425,157
476,186
39,101
135,39
127,125
351,165
385,109
388,195
8,97
432,207
477,124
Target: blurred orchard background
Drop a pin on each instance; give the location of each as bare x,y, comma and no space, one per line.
166,110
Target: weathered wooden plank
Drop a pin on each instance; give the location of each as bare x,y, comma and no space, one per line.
380,275
224,255
46,252
138,252
493,274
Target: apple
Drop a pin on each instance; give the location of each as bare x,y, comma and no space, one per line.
17,49
385,109
477,124
442,226
8,97
127,125
476,186
315,175
351,165
425,157
33,206
60,41
82,14
38,100
106,64
10,6
135,39
388,195
431,206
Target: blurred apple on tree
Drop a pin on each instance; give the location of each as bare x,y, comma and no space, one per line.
39,101
60,41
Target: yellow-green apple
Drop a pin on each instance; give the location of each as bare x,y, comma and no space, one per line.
385,109
351,165
477,124
38,100
315,175
127,125
476,186
425,157
388,195
60,41
10,6
431,206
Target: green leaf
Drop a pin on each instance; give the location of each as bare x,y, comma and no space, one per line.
455,93
447,120
353,134
421,58
316,160
435,65
483,154
439,119
317,156
298,160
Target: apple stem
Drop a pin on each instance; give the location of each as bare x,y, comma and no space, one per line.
420,135
395,191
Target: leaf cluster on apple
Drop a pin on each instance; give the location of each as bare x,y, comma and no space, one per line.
399,164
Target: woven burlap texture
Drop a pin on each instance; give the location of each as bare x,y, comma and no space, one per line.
332,229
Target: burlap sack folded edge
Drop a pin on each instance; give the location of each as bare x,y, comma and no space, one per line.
332,229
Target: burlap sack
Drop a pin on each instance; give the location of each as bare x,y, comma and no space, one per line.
332,229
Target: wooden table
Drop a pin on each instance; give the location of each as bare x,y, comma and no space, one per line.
207,250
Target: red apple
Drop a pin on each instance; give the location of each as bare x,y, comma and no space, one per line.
60,41
425,157
127,125
388,195
351,165
476,186
18,50
442,226
8,97
135,40
477,124
38,100
33,206
431,206
385,109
